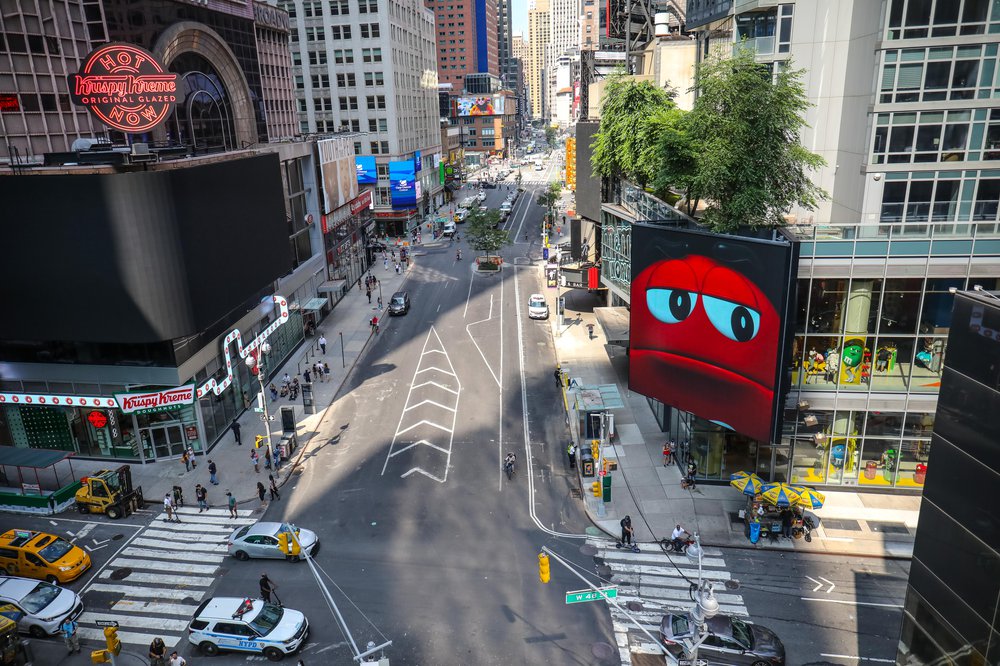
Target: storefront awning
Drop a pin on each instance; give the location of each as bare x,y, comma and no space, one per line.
332,287
11,456
597,398
315,303
614,323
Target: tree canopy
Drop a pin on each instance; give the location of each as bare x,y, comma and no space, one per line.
548,197
751,166
482,233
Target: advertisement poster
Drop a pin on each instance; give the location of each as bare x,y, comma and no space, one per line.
481,106
340,185
402,179
418,161
708,325
365,166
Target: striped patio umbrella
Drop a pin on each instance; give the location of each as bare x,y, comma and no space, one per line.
779,494
748,484
809,497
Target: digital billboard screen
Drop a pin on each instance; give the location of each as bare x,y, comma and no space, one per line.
401,181
365,166
708,329
492,105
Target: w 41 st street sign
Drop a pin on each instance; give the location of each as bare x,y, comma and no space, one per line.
591,595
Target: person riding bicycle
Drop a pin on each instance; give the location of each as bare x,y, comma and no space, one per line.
678,538
508,463
458,254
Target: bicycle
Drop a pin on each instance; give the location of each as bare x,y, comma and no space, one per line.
510,467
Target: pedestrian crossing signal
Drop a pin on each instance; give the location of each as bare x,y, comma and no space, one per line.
258,441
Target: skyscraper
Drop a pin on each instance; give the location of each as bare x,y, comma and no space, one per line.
564,34
508,69
467,39
539,34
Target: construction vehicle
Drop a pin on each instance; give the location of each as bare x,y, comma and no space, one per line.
110,492
13,651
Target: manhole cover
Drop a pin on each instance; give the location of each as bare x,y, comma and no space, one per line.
634,606
604,651
117,537
732,584
120,574
588,550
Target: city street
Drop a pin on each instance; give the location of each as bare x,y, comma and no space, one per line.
426,543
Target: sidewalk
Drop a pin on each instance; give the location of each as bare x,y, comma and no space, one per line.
851,523
350,319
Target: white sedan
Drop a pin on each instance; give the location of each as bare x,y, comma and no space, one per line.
537,307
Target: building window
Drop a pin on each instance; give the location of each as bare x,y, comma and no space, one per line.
368,6
340,31
371,55
349,103
383,197
785,28
315,34
939,73
382,170
914,199
357,147
918,19
370,30
374,79
320,80
346,80
340,7
317,57
936,136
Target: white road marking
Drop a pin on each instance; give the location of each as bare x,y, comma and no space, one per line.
171,556
440,386
479,349
166,579
852,603
429,402
157,607
420,423
857,658
134,621
178,545
146,592
166,567
130,637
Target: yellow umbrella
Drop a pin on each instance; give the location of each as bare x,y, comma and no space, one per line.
779,494
748,484
809,497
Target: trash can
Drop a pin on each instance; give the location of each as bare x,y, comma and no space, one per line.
871,470
587,462
920,473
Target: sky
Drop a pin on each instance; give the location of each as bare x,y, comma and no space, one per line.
519,16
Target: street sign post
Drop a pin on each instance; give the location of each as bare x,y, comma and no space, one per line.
106,623
582,596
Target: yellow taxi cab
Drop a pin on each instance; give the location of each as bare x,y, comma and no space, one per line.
39,555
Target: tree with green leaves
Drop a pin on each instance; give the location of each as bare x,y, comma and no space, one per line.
751,165
549,197
670,155
550,136
625,109
482,231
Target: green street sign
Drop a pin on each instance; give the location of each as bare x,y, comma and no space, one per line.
591,595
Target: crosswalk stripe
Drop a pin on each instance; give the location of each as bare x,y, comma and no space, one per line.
194,527
166,579
147,592
129,637
209,520
134,621
171,556
680,560
171,567
158,607
220,547
193,510
186,538
646,548
710,574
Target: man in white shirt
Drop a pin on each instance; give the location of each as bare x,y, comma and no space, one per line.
678,537
177,660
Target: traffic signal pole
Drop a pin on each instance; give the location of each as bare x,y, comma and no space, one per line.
572,569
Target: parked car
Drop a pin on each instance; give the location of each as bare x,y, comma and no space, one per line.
537,307
247,625
731,641
399,304
461,214
449,229
40,555
506,207
45,606
261,540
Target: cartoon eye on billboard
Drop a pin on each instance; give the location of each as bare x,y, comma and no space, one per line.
708,325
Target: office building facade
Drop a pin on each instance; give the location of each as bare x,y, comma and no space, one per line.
539,35
951,614
906,124
468,33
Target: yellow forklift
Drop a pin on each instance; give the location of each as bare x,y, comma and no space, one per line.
110,492
13,651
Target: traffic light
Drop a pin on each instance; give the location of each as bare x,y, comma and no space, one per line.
283,543
595,488
595,449
111,638
258,441
99,657
543,568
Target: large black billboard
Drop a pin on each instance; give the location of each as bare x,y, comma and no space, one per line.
139,257
708,325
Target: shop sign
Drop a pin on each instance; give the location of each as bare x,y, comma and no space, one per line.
97,419
191,432
156,401
9,103
32,488
363,201
125,87
55,400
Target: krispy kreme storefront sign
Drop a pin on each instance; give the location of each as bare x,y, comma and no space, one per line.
125,87
155,401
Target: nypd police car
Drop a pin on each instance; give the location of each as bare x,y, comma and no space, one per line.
247,625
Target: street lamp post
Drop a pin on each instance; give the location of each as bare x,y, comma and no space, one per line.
256,363
705,605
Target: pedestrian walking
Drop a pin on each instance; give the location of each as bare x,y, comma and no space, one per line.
571,454
666,453
186,460
267,458
201,495
359,283
318,368
157,652
212,470
558,376
368,293
379,302
267,588
279,457
231,502
170,509
273,487
70,635
385,262
255,459
236,432
190,452
261,492
397,268
326,371
177,660
306,376
274,392
322,338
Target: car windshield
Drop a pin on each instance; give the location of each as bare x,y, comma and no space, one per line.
55,550
537,302
681,626
398,300
742,634
39,598
267,619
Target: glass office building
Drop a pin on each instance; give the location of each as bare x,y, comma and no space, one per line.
952,612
